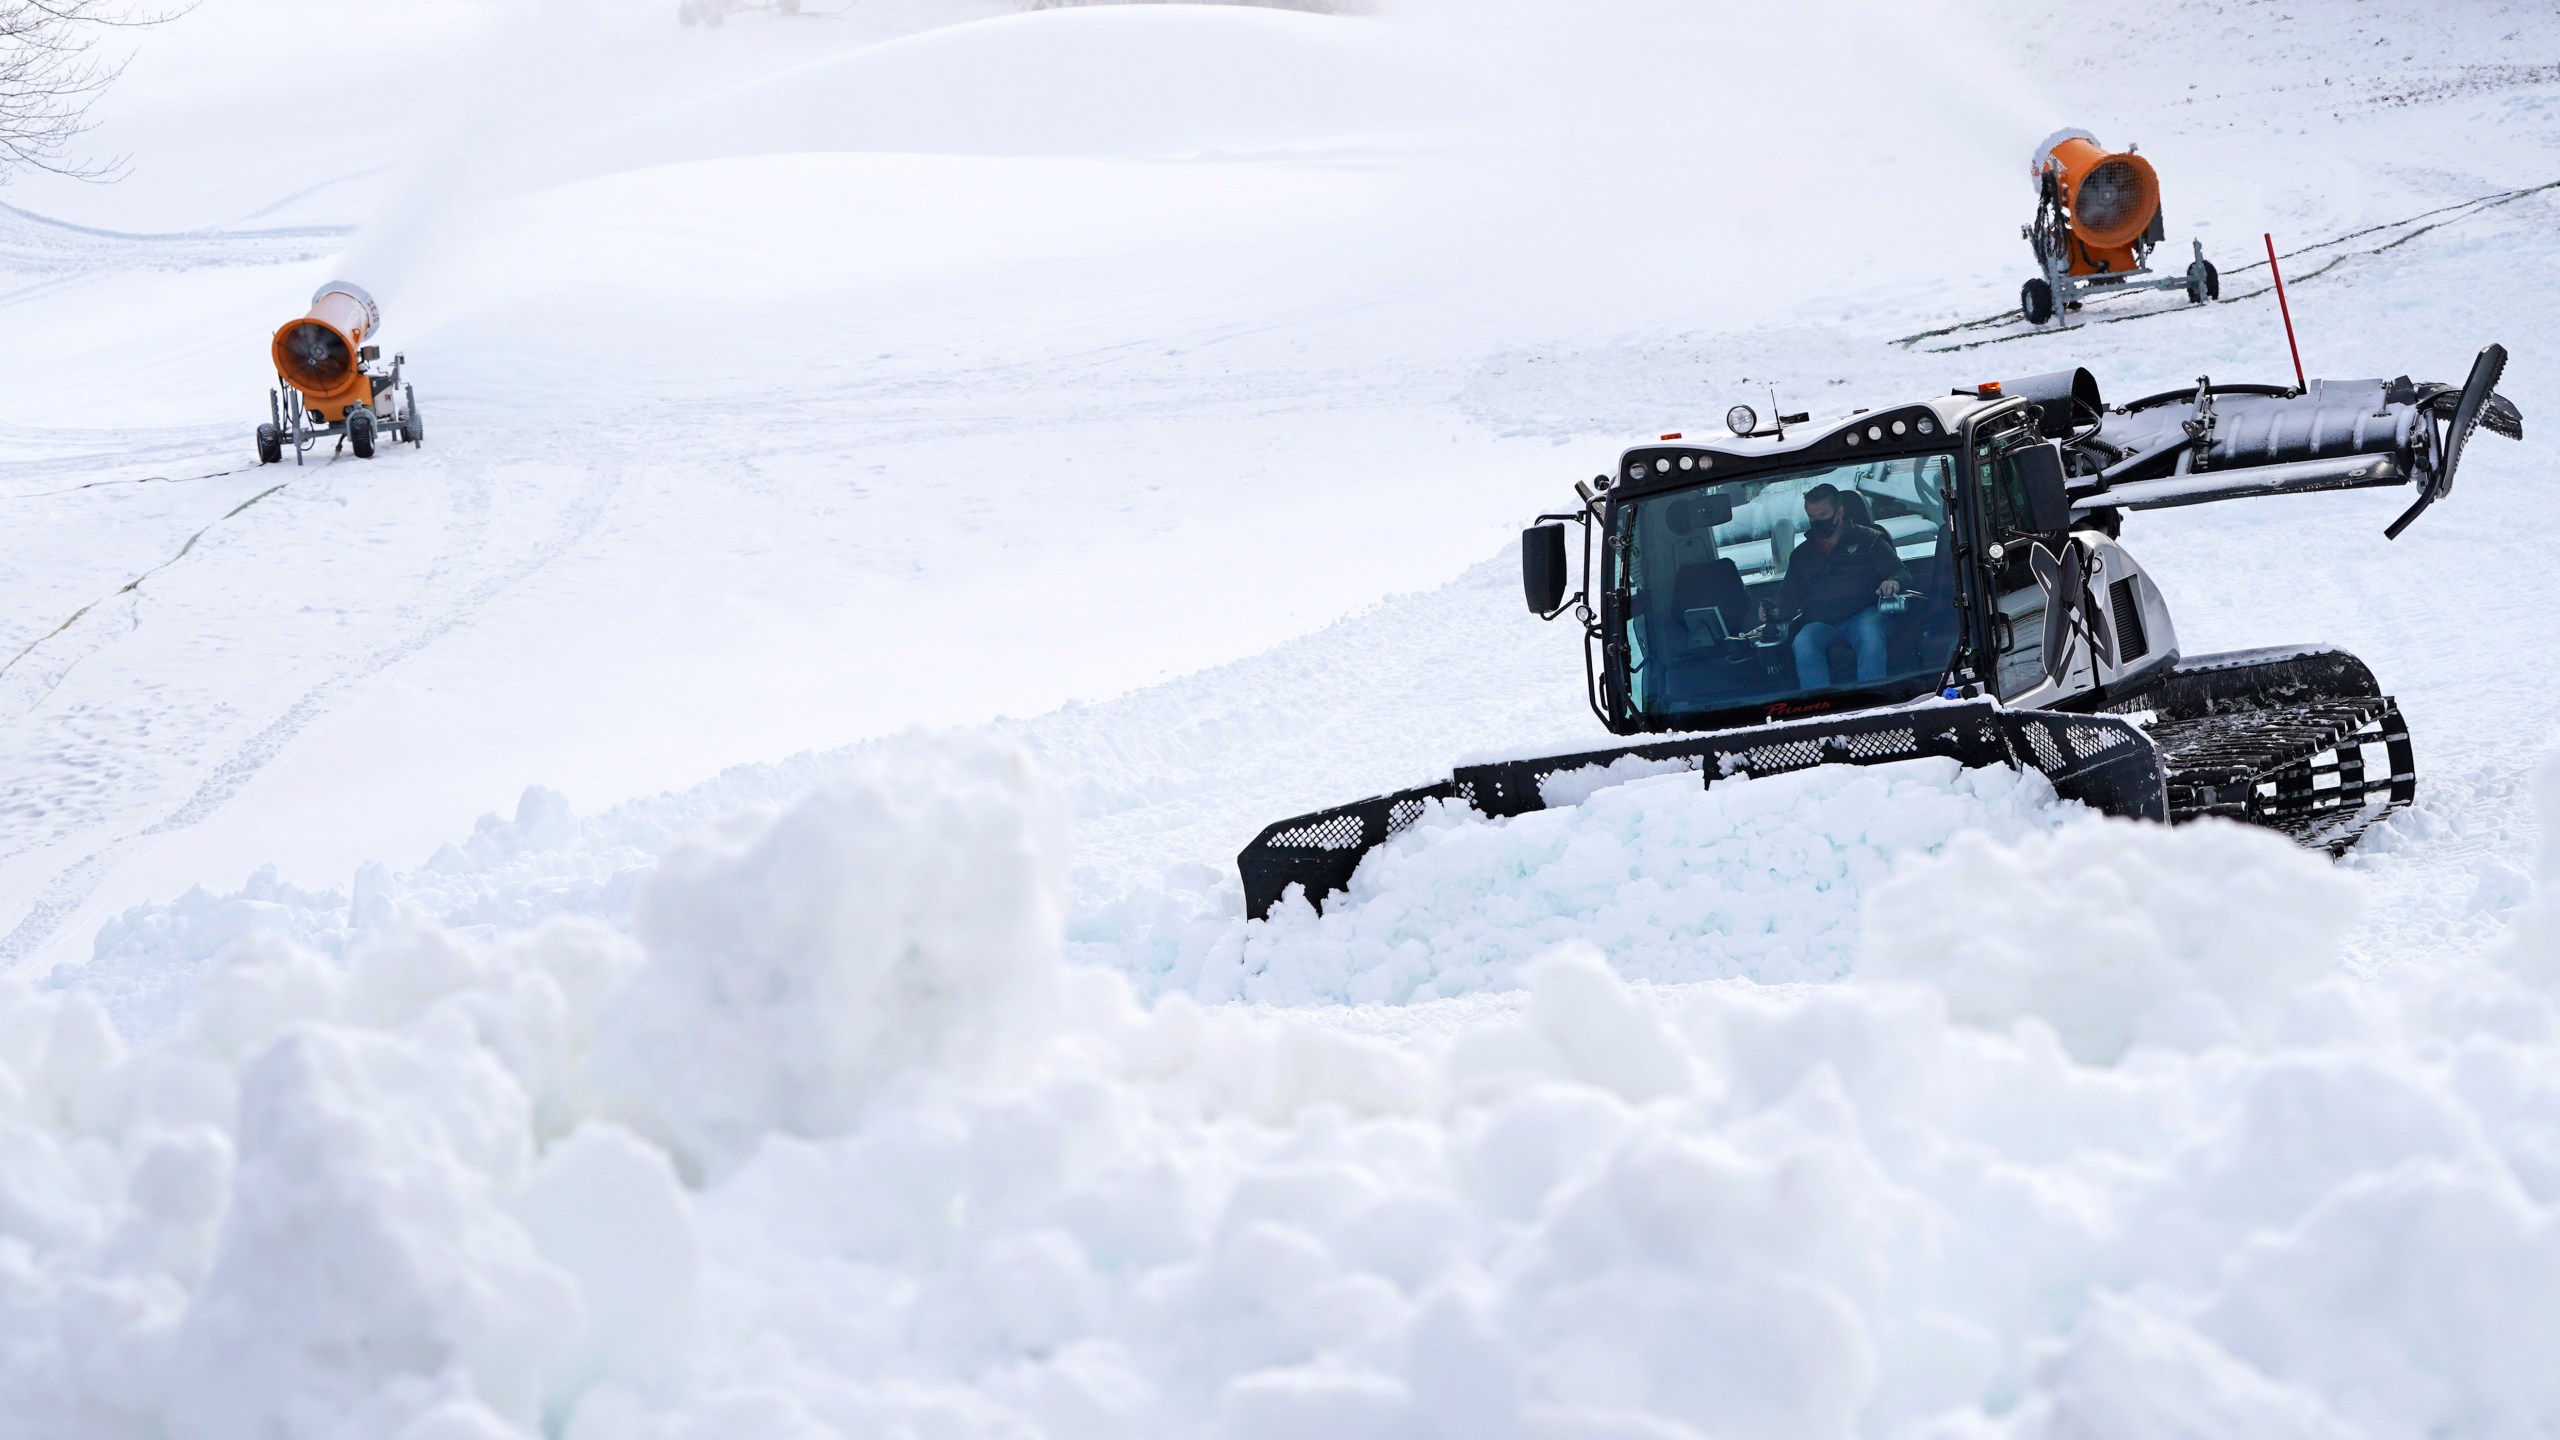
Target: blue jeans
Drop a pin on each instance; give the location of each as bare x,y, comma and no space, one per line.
1865,632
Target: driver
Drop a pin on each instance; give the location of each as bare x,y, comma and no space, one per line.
1834,579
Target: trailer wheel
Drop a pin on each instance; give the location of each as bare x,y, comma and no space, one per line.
2203,282
270,446
2035,301
410,427
360,432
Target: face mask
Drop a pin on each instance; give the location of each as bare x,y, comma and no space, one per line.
1828,528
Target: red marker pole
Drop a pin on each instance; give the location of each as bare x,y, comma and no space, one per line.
2298,382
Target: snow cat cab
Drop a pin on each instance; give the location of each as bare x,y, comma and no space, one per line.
1947,578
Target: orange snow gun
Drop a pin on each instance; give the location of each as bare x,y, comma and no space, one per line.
332,381
317,353
2097,220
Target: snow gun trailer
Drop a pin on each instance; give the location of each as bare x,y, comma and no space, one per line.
2097,221
1728,613
330,382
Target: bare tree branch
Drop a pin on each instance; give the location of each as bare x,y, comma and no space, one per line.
49,75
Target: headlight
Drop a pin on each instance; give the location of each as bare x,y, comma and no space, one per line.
1742,419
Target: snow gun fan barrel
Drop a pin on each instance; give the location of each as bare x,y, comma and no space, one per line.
319,352
2112,198
2097,221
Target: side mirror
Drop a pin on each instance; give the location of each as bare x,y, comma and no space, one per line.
2039,469
1542,568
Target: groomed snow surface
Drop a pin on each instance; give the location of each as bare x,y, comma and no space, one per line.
2098,1139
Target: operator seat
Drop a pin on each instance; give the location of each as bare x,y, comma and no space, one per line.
1854,508
1717,583
1710,581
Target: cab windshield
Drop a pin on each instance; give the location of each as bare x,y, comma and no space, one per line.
1832,580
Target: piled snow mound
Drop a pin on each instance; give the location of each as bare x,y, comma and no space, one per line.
340,1199
833,1146
2116,935
1758,879
364,1235
800,962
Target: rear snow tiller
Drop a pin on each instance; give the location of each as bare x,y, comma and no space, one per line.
2097,221
1946,578
331,382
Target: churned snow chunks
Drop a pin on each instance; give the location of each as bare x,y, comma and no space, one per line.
607,1208
2127,1373
1759,878
366,1269
1582,1022
902,915
834,1146
2115,935
2418,1298
81,1337
389,1197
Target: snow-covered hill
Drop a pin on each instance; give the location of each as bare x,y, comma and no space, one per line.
1169,379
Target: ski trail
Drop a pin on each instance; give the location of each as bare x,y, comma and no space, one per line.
71,888
129,587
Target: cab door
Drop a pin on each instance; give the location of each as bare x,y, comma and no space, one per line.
2011,625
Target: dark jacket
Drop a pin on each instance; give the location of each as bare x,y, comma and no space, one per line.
1833,587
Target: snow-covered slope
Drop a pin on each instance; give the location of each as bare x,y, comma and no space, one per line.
1163,378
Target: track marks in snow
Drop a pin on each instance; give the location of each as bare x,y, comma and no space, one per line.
2399,232
456,587
130,587
433,625
134,480
2464,82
